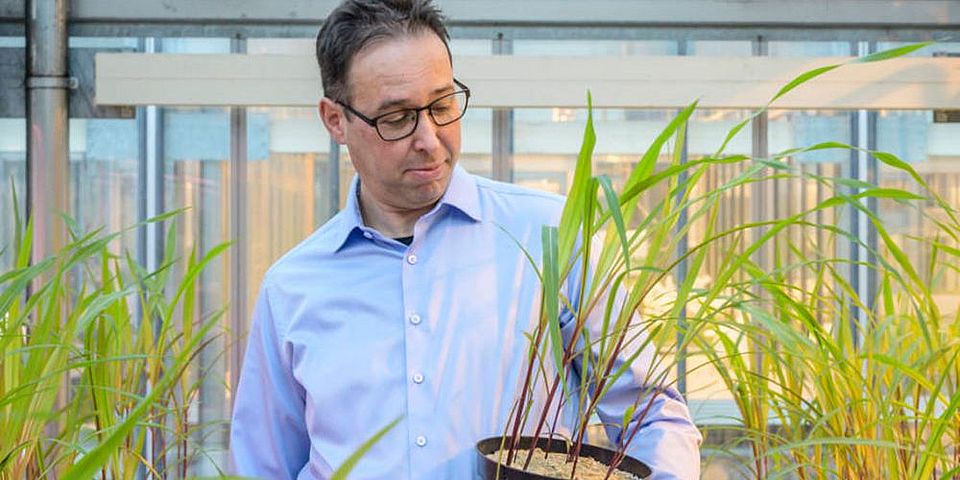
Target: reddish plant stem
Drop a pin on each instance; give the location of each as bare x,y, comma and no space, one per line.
622,448
575,452
556,418
543,414
525,390
567,360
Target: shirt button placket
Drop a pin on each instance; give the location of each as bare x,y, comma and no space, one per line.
414,348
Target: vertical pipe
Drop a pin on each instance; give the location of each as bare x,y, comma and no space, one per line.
502,127
859,225
873,177
763,198
48,166
237,213
763,204
238,234
48,161
681,250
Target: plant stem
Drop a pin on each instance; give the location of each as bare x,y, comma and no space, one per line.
524,392
543,417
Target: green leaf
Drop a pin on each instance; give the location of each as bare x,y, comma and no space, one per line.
613,206
573,208
351,462
801,79
551,292
892,53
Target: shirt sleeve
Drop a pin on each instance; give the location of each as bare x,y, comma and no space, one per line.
268,436
667,439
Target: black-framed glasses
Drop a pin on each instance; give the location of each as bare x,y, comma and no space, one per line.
400,124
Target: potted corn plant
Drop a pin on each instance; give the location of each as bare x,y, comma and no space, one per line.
619,257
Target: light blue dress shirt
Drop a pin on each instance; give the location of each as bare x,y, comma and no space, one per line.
352,330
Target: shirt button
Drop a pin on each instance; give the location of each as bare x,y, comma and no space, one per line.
412,259
418,378
421,441
415,319
368,234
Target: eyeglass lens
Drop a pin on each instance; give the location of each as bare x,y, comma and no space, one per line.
443,111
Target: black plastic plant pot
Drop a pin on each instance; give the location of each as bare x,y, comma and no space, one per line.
487,468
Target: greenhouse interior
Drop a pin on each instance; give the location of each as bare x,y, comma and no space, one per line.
159,157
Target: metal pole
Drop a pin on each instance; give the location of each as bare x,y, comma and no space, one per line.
764,207
48,162
681,250
237,213
501,152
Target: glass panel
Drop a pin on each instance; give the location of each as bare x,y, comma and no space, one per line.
13,170
196,146
13,163
809,49
937,48
710,400
103,42
195,45
469,46
720,48
547,141
307,46
933,149
745,203
795,129
288,185
196,152
284,46
594,47
477,134
104,163
15,42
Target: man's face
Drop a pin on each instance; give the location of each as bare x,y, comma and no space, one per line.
410,174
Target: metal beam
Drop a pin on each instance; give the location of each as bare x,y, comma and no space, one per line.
837,20
47,84
811,13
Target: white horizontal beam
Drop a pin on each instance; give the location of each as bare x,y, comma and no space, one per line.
914,83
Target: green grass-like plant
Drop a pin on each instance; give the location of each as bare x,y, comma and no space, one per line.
97,355
827,383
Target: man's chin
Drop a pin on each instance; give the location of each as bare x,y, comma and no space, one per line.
427,194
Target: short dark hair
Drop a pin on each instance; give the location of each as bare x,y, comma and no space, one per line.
354,24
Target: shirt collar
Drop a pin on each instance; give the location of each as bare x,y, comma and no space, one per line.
461,194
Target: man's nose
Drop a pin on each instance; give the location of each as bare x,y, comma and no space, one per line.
425,135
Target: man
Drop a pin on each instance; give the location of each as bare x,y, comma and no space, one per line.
412,302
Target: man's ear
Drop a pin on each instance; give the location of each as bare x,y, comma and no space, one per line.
333,118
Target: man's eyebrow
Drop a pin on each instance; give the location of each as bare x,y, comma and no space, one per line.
390,105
